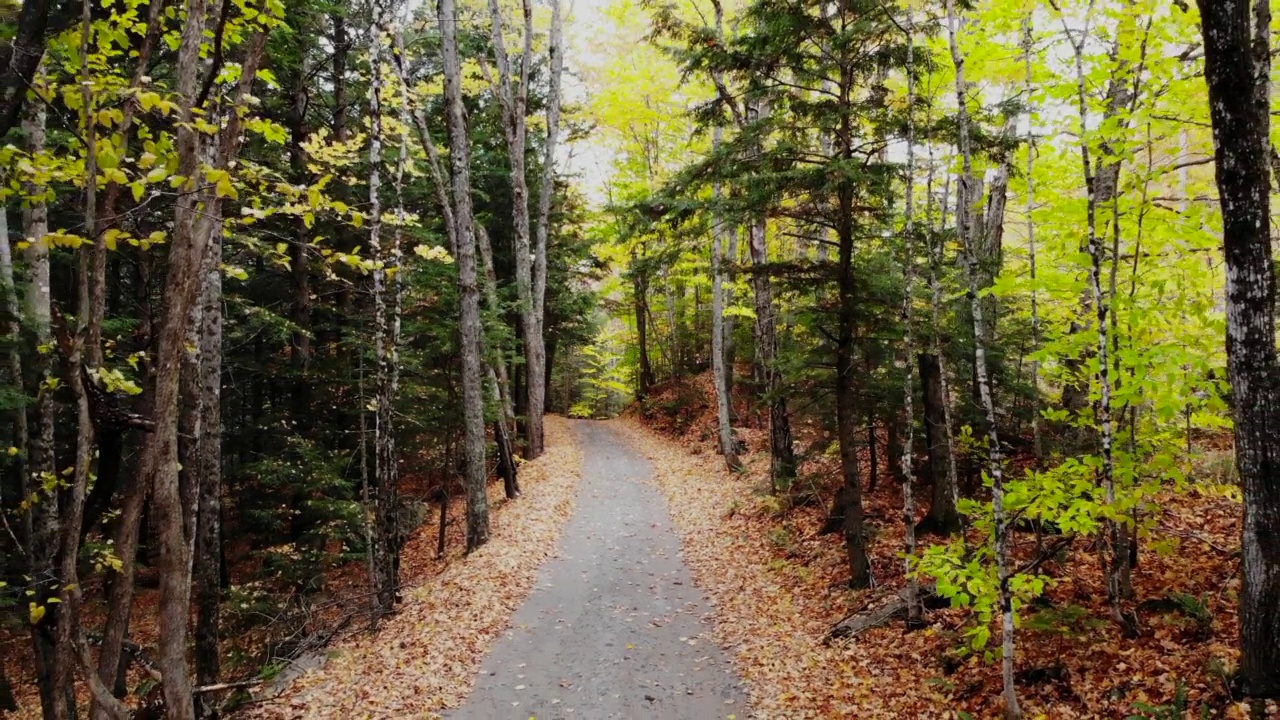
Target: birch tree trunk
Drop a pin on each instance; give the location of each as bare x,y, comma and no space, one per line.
718,371
944,514
468,289
55,697
915,612
207,563
1102,177
385,470
782,468
968,198
1237,71
1027,46
12,314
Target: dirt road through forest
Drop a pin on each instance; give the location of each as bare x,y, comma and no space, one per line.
614,627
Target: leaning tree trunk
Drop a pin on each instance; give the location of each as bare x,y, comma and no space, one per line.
496,372
513,99
1237,70
496,375
468,288
968,202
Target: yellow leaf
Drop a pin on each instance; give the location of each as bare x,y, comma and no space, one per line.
225,189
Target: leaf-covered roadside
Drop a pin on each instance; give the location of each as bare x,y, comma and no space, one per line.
778,588
424,659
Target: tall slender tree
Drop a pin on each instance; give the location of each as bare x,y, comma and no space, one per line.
513,96
538,370
968,200
386,464
468,284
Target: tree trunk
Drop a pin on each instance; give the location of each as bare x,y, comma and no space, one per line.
299,265
57,699
943,517
21,60
1102,186
198,215
12,313
538,364
468,289
1237,70
207,561
967,201
500,384
845,387
385,466
730,344
640,291
915,612
718,370
1036,440
944,462
782,468
514,102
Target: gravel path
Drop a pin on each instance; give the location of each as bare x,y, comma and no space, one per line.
614,627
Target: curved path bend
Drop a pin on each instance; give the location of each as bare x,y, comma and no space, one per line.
614,627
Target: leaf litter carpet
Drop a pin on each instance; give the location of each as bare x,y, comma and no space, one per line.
778,587
426,657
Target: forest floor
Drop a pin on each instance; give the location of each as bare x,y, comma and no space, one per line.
779,587
427,656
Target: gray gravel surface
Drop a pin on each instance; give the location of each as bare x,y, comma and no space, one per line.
614,627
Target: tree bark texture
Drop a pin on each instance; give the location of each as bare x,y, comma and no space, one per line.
468,287
1237,70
